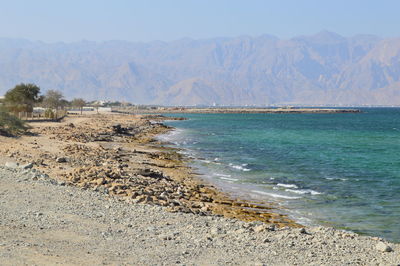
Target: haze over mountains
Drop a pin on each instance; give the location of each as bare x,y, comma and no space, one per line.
321,69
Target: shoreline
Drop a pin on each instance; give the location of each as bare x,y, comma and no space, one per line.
114,171
228,110
67,159
246,195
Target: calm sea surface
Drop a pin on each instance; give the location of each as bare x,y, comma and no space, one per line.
341,170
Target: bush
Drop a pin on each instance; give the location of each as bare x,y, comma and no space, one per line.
10,125
49,113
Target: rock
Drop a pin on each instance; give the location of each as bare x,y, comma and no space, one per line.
11,165
383,247
27,166
217,231
302,230
272,227
241,231
61,160
260,228
99,181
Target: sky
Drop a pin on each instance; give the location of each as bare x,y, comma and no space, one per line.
166,20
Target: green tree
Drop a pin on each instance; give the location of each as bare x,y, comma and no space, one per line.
22,97
53,99
78,102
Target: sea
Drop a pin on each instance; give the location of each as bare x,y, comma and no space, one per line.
340,170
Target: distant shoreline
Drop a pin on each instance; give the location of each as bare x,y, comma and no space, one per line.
185,110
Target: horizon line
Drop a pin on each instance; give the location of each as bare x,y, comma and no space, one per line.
203,39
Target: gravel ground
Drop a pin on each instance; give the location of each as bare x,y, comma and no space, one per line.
44,222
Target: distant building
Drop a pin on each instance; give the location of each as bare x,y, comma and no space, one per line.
39,110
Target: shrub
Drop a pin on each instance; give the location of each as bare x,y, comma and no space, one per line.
10,125
49,113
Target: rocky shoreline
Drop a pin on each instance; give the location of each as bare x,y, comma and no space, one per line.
115,158
119,155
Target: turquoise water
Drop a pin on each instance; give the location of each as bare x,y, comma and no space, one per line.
341,170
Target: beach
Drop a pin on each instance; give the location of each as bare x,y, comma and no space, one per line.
99,189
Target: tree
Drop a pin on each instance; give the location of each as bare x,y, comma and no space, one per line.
78,102
64,103
53,99
22,97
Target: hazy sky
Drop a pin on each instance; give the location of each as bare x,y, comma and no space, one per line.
146,20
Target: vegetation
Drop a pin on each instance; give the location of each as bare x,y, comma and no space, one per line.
54,99
78,102
10,125
22,98
49,113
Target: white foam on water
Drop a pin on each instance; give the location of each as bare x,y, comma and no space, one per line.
228,179
336,179
287,185
239,167
171,135
223,175
274,195
304,191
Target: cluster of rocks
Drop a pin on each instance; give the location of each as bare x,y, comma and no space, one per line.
88,132
27,172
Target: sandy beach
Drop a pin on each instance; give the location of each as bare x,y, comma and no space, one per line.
100,189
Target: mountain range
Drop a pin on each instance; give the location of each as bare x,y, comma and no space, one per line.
321,69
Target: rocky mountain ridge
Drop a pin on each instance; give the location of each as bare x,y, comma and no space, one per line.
321,69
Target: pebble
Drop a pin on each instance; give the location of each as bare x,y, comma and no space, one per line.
11,165
26,166
302,230
383,247
61,160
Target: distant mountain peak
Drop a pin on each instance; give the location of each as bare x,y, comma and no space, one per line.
322,37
